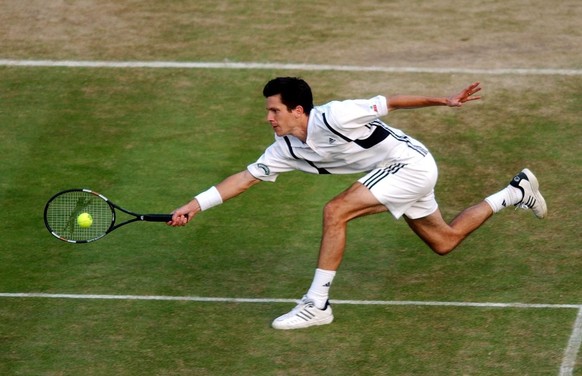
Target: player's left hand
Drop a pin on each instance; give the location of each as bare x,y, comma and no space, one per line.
465,95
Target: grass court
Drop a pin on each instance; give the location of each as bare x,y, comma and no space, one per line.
153,300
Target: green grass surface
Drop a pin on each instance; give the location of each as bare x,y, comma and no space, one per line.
151,139
132,338
149,149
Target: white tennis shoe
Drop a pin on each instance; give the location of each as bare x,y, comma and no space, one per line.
532,197
304,315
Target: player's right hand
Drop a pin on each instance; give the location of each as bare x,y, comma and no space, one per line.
184,214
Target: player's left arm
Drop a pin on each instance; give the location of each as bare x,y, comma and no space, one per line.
414,101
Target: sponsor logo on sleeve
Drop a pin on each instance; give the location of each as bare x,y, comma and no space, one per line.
265,168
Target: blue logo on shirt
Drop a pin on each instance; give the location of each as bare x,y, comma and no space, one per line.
265,168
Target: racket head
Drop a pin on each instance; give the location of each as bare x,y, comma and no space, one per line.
62,210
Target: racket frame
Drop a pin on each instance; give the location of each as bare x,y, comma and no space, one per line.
113,226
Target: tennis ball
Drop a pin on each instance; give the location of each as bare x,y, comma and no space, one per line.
84,220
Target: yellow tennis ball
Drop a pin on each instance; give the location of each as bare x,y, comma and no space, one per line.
84,220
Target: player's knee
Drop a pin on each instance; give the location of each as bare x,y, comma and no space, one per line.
443,248
442,251
333,212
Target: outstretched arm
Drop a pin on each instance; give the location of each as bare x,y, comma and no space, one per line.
412,101
230,187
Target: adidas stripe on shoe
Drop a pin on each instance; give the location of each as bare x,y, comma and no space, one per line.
532,198
304,315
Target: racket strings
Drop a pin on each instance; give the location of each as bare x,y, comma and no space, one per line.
63,211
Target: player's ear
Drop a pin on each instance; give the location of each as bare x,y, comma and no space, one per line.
299,110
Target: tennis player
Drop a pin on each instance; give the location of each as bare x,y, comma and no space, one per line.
343,137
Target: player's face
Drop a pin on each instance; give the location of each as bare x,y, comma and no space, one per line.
279,117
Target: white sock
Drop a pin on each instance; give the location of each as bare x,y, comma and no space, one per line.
506,197
319,290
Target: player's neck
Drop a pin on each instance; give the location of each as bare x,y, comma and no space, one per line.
301,130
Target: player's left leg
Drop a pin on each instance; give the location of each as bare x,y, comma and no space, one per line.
442,237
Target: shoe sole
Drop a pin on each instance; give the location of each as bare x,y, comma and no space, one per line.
535,185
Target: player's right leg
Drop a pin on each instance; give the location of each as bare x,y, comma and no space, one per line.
314,309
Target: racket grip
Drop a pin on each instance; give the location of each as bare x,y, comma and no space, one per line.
156,217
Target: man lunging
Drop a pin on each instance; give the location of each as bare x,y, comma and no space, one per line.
343,137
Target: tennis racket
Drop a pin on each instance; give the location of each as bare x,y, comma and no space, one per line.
62,211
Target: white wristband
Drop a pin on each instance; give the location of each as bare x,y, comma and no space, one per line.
209,198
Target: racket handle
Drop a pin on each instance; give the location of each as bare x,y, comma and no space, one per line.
156,217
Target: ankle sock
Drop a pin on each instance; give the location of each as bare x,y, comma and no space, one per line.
506,197
319,290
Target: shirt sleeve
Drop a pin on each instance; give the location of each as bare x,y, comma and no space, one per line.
350,114
273,162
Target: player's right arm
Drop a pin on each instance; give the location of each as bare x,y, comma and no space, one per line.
230,187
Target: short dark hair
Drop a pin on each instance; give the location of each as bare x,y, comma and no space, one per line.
294,92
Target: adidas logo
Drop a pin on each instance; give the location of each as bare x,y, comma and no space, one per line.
327,284
331,140
516,181
504,204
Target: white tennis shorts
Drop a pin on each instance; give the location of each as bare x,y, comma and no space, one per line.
405,188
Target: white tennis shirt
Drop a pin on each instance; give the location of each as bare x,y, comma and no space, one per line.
343,137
